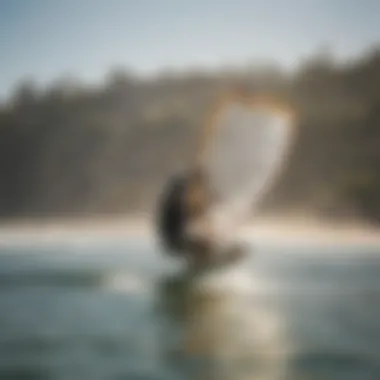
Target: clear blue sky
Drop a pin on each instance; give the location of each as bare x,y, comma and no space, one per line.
48,38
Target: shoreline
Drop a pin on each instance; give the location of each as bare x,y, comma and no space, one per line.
278,228
309,229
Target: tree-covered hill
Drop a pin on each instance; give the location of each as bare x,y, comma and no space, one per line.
73,149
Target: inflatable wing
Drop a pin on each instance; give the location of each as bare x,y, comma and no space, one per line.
242,150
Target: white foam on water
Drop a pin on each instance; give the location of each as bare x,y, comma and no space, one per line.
127,283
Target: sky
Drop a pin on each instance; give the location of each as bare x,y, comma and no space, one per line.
46,39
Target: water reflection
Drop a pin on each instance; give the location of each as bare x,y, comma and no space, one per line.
227,327
96,317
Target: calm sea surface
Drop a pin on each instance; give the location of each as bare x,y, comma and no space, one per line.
91,310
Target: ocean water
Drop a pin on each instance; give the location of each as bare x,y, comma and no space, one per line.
115,309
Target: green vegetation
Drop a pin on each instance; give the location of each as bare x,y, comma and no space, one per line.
72,149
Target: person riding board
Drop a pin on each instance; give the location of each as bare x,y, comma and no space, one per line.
193,207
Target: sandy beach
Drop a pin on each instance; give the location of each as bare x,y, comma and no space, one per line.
307,229
296,229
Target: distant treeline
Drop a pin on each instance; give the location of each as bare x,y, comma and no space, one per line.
73,149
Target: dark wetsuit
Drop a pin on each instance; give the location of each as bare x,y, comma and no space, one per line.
172,214
173,217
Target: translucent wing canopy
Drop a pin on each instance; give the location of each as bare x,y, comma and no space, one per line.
242,151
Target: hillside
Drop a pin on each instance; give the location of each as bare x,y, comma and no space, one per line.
74,149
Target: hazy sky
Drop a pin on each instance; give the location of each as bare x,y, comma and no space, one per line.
47,38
